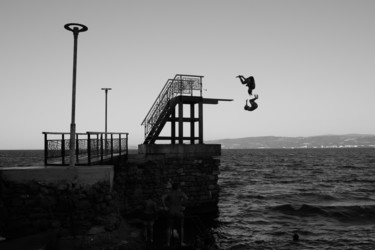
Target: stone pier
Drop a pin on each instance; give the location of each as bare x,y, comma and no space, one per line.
78,200
156,166
73,200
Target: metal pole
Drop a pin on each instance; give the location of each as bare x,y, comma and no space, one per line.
106,93
75,28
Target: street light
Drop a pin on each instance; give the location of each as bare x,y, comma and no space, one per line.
106,93
75,28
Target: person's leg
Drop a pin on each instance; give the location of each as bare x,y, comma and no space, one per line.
182,232
169,230
145,231
254,105
246,106
151,230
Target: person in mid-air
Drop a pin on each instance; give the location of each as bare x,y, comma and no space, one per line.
250,83
253,104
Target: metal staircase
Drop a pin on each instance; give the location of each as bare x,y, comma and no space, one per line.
164,105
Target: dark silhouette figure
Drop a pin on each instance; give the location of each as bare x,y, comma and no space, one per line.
295,237
149,217
174,201
250,83
253,104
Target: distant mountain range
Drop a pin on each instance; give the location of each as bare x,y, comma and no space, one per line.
323,141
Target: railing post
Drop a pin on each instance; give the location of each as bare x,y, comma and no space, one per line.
111,148
180,121
97,145
126,149
63,148
201,85
45,149
119,145
77,149
191,88
88,148
101,148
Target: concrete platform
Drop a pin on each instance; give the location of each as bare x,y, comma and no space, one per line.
79,174
181,149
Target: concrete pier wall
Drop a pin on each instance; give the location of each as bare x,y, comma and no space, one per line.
82,199
156,167
73,200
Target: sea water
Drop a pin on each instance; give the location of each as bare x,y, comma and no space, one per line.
326,196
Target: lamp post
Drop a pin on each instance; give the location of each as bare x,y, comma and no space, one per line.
75,28
106,93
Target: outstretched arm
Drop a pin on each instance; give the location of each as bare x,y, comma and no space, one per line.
242,79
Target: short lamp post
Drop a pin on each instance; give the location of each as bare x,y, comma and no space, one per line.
105,136
75,28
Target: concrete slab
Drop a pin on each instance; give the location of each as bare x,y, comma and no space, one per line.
181,149
80,174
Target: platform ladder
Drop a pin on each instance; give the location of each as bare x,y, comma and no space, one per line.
164,105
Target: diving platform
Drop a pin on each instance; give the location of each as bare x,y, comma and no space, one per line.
179,92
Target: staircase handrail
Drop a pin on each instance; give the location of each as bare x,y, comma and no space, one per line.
167,93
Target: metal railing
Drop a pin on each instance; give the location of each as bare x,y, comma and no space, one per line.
91,148
180,85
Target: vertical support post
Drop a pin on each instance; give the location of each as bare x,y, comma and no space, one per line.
88,148
45,149
180,121
192,124
201,122
63,148
173,126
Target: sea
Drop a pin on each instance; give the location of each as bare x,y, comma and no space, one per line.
326,197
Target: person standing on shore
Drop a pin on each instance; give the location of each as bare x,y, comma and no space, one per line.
149,217
174,202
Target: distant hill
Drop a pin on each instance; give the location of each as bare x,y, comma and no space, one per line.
323,141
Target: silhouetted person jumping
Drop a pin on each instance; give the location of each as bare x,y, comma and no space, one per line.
250,83
253,104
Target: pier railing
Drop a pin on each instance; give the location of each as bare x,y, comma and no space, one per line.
91,148
180,85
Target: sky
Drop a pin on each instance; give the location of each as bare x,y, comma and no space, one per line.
313,64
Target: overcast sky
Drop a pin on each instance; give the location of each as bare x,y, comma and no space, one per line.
313,63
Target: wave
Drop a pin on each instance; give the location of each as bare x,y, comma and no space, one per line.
349,213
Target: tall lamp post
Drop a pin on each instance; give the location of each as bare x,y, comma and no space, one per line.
75,28
106,93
